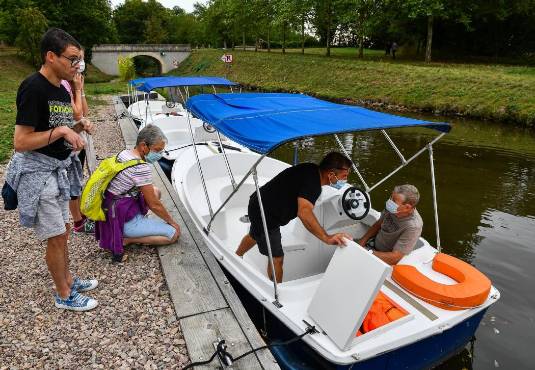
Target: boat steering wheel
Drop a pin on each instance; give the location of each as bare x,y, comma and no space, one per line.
356,203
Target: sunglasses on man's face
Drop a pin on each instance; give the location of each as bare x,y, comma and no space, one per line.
74,60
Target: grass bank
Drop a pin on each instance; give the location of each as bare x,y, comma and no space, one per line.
496,92
13,70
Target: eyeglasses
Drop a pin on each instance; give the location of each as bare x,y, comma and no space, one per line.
74,60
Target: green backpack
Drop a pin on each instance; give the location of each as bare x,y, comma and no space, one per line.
93,193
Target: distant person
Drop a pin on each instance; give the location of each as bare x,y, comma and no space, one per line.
290,194
396,233
45,169
388,46
130,195
394,48
75,88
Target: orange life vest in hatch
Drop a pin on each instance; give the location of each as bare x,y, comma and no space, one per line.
382,312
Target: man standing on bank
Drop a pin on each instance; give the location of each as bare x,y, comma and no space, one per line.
45,171
290,194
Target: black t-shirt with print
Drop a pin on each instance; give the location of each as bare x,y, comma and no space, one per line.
43,106
279,195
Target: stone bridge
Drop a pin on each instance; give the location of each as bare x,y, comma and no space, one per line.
169,56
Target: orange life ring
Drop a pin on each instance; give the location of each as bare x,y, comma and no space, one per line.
471,290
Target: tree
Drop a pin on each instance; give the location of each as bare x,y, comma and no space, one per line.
437,9
260,19
240,14
154,31
184,29
503,27
178,10
283,17
131,19
361,15
326,17
266,12
32,24
8,18
218,23
298,12
89,21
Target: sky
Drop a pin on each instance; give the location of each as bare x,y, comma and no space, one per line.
187,5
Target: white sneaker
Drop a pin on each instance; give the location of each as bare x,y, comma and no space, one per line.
85,285
75,302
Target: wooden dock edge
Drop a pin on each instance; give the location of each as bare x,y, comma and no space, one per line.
205,303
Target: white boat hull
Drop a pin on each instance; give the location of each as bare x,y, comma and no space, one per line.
306,258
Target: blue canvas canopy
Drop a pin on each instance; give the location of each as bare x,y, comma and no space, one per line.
150,83
262,122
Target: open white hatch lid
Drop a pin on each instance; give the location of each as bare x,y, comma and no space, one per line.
346,292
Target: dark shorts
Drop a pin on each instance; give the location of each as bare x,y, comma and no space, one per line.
257,233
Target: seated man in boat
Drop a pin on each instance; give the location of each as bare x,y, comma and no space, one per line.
290,194
399,227
130,195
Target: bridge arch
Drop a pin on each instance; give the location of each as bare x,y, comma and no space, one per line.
105,57
139,58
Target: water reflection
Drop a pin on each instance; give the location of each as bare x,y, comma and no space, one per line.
485,176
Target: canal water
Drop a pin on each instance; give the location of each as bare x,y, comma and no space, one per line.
485,177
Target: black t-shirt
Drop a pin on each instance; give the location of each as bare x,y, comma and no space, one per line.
43,106
279,195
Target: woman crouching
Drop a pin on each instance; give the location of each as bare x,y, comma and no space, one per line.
130,195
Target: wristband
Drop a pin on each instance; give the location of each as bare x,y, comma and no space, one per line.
50,136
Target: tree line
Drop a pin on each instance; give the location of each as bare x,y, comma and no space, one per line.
497,28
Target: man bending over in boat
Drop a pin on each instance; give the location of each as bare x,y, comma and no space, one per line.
399,227
290,194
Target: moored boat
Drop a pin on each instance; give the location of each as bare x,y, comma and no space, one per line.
440,299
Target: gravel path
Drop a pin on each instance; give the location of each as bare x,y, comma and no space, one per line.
134,325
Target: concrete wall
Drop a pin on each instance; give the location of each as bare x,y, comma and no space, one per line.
105,57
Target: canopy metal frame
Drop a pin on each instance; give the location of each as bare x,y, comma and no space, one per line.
133,98
253,171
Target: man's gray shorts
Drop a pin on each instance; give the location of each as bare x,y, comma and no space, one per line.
52,211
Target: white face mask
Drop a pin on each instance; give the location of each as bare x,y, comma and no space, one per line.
339,184
81,66
391,206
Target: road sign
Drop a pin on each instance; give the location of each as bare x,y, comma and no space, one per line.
227,58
